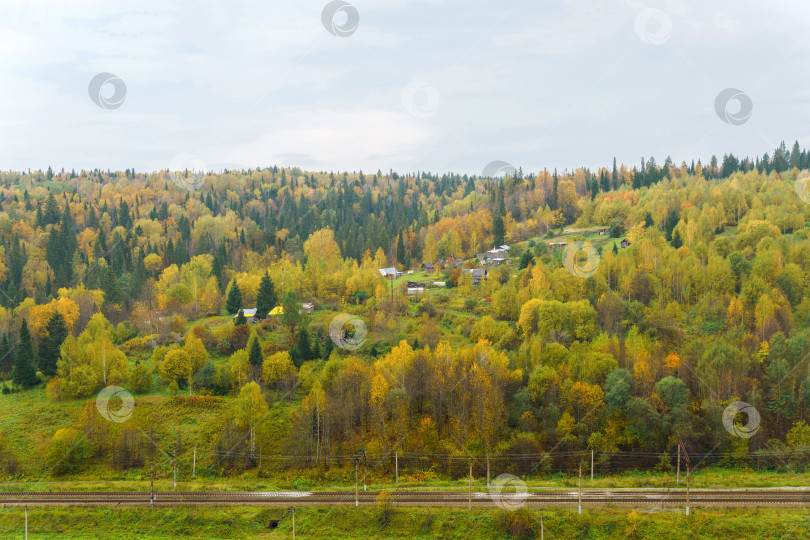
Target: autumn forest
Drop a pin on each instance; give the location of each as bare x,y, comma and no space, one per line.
249,316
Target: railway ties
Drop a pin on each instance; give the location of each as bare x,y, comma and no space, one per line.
784,497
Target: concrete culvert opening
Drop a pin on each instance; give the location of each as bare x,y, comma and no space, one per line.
273,524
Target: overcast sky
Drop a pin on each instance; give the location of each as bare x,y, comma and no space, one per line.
415,85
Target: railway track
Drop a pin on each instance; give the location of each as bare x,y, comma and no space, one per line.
780,497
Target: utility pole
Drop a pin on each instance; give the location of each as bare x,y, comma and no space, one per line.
364,470
293,523
580,489
487,468
152,482
396,467
542,532
194,467
469,492
687,490
682,448
26,523
591,466
356,466
174,468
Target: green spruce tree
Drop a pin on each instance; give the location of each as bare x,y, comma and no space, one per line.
676,239
255,353
50,345
24,374
234,302
6,356
266,298
303,348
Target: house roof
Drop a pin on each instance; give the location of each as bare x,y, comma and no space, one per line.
278,310
476,272
248,312
385,272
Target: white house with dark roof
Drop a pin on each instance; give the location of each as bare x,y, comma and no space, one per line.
390,273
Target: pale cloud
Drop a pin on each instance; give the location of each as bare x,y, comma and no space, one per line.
347,140
552,84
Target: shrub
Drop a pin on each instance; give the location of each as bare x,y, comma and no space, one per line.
179,324
141,378
517,524
53,389
384,508
67,450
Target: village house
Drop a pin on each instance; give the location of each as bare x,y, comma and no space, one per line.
498,251
250,314
624,243
476,274
390,273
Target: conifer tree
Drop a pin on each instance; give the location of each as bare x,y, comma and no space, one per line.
266,298
50,345
255,352
303,348
234,301
6,356
24,374
676,239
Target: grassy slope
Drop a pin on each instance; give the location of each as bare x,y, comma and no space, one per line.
238,522
29,420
